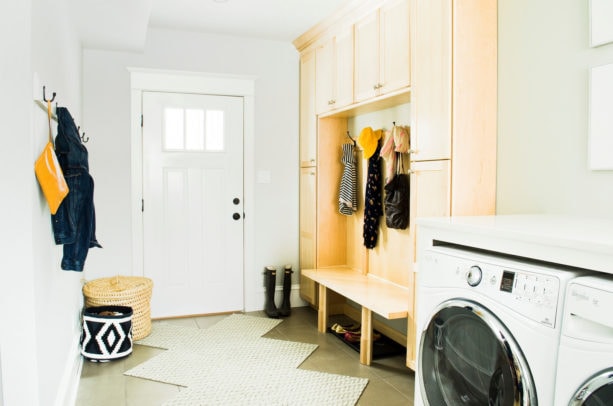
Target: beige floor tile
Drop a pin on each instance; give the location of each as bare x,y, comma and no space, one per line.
379,393
142,392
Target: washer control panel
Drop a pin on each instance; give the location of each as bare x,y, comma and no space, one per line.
529,289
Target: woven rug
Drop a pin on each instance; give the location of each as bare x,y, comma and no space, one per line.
231,363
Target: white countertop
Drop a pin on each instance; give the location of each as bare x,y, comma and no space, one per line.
573,241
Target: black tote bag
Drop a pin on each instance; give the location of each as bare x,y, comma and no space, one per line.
397,199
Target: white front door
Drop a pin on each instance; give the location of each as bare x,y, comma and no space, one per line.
193,202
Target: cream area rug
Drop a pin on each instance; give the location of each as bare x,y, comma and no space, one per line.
230,363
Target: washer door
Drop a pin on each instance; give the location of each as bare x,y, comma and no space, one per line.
596,391
468,357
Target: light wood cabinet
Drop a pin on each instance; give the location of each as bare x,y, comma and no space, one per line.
331,225
324,82
474,107
308,230
344,68
430,195
454,97
382,51
308,173
431,88
454,89
323,231
441,53
308,215
308,118
334,72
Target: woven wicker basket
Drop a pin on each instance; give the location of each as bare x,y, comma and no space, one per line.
132,291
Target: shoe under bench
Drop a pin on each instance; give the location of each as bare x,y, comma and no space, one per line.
373,294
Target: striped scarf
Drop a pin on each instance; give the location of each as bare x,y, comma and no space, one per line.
348,196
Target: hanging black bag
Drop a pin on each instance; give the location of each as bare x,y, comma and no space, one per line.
397,198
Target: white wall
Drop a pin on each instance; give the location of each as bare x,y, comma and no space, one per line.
18,331
39,302
544,60
106,85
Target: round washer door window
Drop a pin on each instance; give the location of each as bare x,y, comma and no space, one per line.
468,357
596,391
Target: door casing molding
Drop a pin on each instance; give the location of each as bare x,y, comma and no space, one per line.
141,80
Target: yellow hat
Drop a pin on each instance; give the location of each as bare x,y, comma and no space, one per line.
369,140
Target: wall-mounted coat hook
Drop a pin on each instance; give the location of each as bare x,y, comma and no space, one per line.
351,138
45,96
84,139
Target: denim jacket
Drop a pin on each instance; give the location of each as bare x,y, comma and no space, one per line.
74,224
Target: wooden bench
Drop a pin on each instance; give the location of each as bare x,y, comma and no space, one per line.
373,294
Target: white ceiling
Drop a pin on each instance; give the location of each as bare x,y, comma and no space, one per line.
126,22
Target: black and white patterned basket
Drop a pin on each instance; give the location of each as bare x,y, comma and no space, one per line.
107,333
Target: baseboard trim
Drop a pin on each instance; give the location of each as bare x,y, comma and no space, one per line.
69,385
294,298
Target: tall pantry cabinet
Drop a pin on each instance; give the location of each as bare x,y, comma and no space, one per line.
439,55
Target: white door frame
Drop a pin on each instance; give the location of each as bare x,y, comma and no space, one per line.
141,80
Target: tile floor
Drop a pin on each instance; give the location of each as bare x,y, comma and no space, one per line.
390,381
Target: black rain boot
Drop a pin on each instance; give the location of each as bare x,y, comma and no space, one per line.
286,309
270,283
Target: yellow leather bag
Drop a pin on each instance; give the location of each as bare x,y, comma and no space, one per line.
49,173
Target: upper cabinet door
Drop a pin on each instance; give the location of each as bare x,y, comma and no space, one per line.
308,118
324,76
367,57
382,51
334,60
344,67
431,87
395,46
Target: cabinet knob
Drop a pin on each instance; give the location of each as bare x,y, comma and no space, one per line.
331,102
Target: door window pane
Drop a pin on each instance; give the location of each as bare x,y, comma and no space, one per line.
184,129
194,129
173,128
214,130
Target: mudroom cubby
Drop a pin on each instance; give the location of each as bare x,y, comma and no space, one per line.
447,98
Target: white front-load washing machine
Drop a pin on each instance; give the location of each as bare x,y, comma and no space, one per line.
488,328
585,357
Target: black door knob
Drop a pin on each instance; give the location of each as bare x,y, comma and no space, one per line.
236,216
236,200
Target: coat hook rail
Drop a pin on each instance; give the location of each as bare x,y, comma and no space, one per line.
43,105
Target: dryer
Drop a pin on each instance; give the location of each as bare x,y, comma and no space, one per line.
488,328
585,360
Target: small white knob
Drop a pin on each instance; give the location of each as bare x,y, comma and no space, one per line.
473,276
